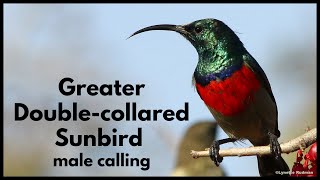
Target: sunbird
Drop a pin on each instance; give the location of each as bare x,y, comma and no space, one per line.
235,89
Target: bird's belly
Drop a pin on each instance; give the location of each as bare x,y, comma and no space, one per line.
253,123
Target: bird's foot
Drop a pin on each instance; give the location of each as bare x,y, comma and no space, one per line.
274,145
214,153
215,147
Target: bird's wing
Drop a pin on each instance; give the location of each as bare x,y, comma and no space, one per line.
250,62
255,67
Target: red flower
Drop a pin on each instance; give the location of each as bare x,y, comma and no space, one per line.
312,154
296,169
299,170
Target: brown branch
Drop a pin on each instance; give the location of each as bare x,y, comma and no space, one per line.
300,142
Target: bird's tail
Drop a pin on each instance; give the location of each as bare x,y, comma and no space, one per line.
270,166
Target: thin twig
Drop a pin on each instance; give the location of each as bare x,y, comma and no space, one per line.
303,141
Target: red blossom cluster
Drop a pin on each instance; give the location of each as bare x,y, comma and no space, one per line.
309,167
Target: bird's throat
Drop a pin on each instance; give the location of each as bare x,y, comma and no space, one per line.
216,68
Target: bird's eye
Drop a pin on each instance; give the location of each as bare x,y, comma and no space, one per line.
198,29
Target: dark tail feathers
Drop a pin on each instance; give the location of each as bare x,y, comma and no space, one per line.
269,166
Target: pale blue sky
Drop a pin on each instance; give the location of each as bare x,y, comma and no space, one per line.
164,61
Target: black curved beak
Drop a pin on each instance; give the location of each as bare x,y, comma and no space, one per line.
166,27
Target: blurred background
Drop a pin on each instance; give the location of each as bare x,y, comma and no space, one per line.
45,43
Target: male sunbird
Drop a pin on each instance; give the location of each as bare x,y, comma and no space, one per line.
235,89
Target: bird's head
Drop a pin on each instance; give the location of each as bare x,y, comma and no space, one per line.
203,34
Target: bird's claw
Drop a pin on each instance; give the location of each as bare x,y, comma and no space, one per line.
274,145
214,153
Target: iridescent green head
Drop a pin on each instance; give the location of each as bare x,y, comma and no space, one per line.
204,34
